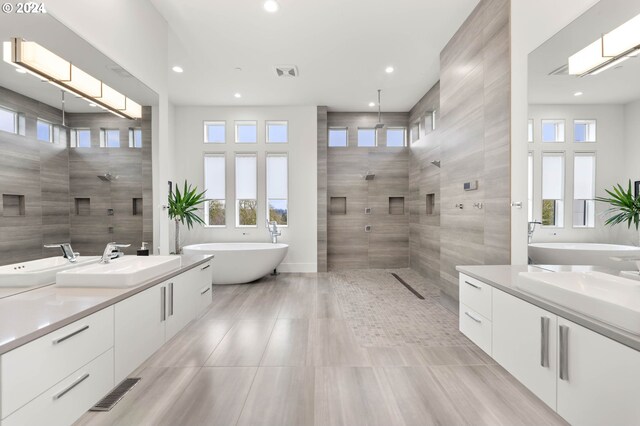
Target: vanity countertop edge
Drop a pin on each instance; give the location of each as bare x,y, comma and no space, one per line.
97,299
503,277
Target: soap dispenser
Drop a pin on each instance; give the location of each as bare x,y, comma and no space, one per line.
143,251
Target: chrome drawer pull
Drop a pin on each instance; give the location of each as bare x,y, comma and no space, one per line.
170,299
473,285
208,266
69,336
473,318
163,304
544,341
204,291
73,385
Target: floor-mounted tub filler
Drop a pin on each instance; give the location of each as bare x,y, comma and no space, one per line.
607,255
238,263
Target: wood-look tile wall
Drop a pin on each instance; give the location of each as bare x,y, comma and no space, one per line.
50,176
322,189
348,245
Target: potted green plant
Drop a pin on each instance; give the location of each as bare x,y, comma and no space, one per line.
183,208
625,206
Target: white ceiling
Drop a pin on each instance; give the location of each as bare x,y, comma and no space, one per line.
614,86
341,48
50,33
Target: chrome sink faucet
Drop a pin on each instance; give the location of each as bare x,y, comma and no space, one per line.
273,230
532,229
67,251
108,253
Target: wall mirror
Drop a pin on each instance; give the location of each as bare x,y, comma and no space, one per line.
69,171
584,124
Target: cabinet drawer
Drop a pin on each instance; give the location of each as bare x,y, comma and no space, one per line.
205,296
67,400
31,369
476,327
476,295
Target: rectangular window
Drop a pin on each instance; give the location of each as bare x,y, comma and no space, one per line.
215,185
584,189
215,132
44,131
530,187
553,189
278,189
8,121
246,189
80,138
366,137
552,130
277,132
530,130
396,136
246,131
415,132
135,137
584,130
338,136
109,138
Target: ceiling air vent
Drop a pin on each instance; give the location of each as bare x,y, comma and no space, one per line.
561,70
286,70
119,70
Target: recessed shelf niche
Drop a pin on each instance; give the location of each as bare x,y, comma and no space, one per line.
338,205
396,205
431,203
137,206
83,206
12,205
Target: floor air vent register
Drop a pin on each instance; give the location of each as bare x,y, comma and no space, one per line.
110,401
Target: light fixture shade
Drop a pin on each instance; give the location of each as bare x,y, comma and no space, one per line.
6,52
586,59
112,98
86,84
133,109
622,39
37,58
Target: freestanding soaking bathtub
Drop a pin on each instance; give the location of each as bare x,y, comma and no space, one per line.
237,263
584,254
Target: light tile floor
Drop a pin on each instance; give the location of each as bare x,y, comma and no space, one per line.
342,348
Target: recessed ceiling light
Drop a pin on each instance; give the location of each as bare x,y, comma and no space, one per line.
577,94
271,6
372,104
177,69
388,70
21,70
92,104
237,95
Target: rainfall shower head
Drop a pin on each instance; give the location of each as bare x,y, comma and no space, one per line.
107,177
436,163
369,175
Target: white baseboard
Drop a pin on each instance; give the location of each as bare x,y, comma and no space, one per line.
298,267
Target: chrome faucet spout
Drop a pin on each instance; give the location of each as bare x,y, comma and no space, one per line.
531,229
67,251
107,255
273,230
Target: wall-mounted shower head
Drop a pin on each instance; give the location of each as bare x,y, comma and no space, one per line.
107,177
369,175
436,163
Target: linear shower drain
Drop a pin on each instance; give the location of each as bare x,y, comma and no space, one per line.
110,401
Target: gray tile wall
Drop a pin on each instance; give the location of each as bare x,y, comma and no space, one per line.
50,176
322,189
348,245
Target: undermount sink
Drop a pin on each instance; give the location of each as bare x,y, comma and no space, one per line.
609,298
127,271
39,272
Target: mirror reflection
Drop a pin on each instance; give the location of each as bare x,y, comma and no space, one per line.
583,128
75,169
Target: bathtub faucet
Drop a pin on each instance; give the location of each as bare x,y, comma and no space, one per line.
273,230
532,229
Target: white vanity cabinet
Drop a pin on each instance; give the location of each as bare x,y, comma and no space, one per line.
584,376
475,312
598,379
524,343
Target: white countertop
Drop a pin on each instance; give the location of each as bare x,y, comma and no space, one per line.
504,277
26,316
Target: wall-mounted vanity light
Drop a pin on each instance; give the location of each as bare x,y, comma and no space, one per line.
42,63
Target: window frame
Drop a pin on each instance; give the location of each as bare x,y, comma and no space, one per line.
577,154
346,136
266,171
223,155
415,125
531,174
243,123
276,122
375,137
132,131
404,136
555,120
214,123
595,132
238,154
531,131
562,154
103,137
16,125
73,137
49,125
